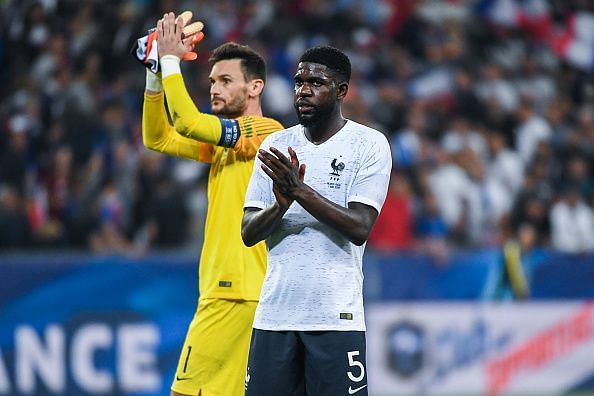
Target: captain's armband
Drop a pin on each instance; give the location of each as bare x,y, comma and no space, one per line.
230,133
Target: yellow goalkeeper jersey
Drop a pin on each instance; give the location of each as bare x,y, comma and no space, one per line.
228,269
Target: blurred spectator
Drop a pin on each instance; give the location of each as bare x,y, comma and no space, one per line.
572,223
532,129
535,83
531,216
110,236
467,103
458,196
57,180
406,143
431,229
393,229
14,158
390,115
577,173
429,223
504,165
557,115
584,140
36,29
14,225
488,116
51,61
495,90
167,214
527,237
461,136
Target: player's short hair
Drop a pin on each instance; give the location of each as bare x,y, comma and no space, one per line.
332,57
253,64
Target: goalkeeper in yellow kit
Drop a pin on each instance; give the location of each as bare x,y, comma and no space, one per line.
214,355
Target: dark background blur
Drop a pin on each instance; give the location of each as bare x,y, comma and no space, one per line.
488,108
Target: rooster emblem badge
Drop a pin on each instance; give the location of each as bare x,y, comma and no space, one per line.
336,168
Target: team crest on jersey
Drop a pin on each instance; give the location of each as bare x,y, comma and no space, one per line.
337,168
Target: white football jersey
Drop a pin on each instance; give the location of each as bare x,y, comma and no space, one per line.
314,279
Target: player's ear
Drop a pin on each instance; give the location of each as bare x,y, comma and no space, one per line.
256,87
343,89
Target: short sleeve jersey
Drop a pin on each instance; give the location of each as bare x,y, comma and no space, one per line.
314,279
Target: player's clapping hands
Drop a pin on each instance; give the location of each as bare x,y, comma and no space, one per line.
286,173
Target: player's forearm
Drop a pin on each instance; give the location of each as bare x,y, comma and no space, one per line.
154,119
354,223
187,118
155,125
159,135
258,224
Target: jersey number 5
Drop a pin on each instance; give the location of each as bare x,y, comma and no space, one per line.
355,363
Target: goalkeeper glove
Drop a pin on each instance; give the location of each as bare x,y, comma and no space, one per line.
145,48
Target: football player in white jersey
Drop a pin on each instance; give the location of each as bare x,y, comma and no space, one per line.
315,193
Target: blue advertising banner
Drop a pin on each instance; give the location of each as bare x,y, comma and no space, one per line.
113,325
476,275
107,326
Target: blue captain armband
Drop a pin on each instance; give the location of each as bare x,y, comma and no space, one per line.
230,133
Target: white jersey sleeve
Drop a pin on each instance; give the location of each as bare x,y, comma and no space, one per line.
370,186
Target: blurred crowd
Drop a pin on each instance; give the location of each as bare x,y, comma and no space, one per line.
488,106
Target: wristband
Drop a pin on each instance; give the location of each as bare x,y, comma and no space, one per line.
170,65
153,81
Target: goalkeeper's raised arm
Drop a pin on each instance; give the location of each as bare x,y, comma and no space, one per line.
157,133
237,81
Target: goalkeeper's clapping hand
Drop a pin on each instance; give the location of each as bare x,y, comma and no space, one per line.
175,37
146,50
191,35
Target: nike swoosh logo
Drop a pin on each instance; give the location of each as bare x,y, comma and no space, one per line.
181,379
353,391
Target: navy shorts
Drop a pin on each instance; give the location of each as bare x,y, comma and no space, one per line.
299,363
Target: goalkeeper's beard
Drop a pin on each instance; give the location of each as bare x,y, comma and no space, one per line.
233,108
